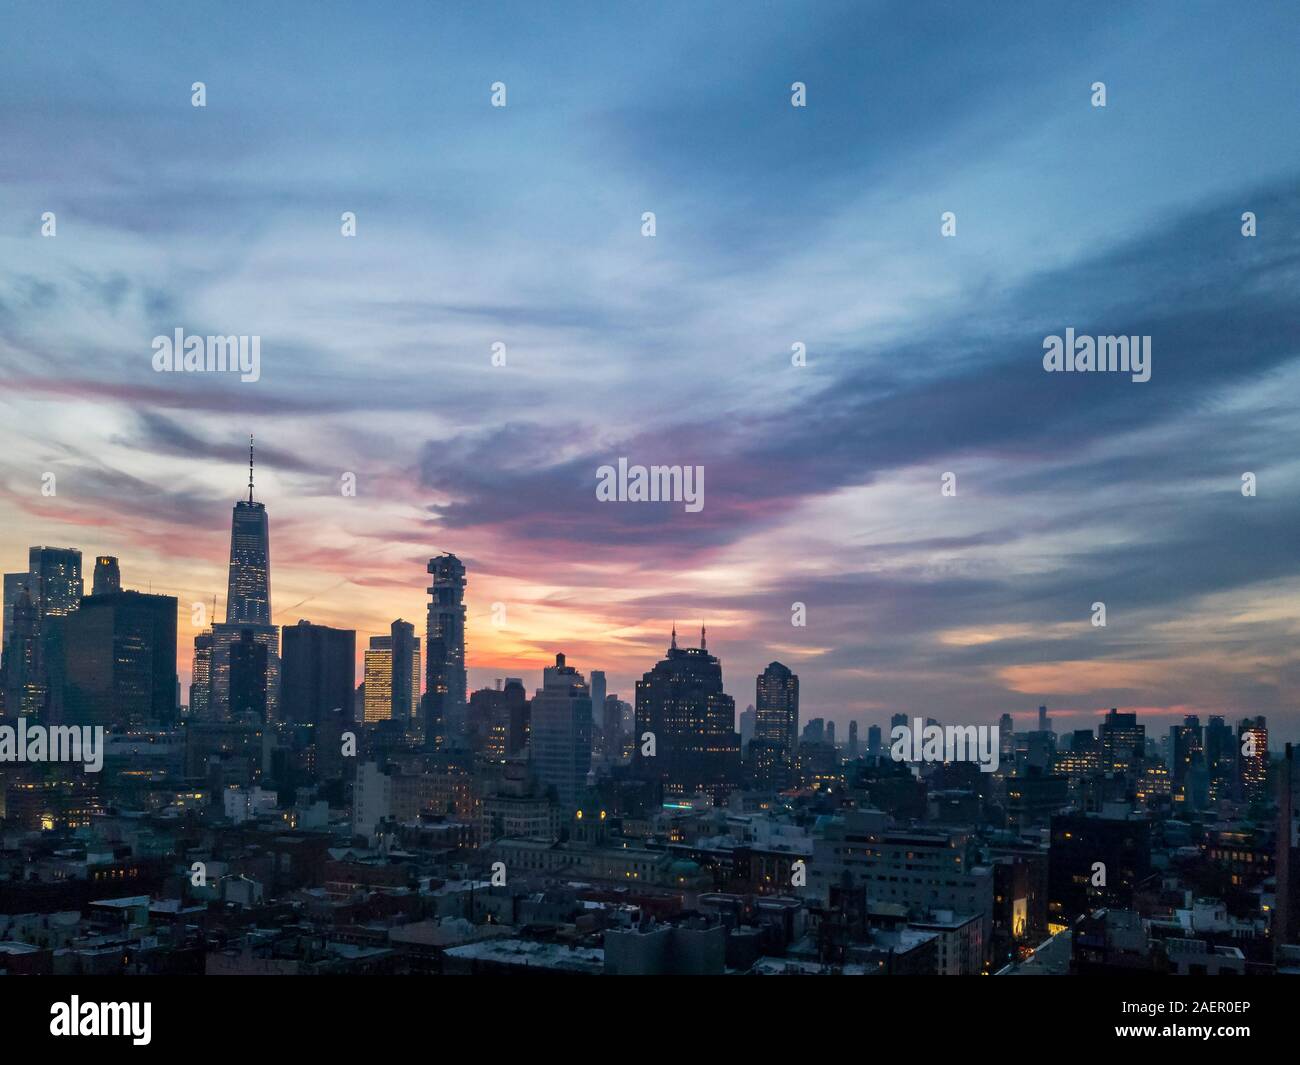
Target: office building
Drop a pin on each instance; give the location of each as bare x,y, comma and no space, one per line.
681,702
120,660
561,733
317,674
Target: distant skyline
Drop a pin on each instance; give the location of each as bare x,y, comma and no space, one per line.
775,226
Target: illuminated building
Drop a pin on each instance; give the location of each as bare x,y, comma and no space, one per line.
1252,747
248,606
1123,741
776,708
201,677
392,693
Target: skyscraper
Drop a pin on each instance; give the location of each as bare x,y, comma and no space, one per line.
108,578
378,680
1123,741
201,677
55,586
120,660
23,694
16,584
497,718
1252,761
248,604
776,705
562,732
405,648
444,644
248,594
693,722
246,660
317,674
392,679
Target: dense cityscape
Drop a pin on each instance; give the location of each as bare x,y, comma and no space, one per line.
288,818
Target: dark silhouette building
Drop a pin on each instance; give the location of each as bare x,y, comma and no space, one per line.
108,578
776,727
444,643
693,725
120,660
317,673
1095,862
248,675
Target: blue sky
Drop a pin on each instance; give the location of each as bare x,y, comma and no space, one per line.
775,225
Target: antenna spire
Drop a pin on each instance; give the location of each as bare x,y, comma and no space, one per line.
250,467
673,645
704,644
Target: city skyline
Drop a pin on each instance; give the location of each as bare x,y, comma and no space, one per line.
823,479
666,490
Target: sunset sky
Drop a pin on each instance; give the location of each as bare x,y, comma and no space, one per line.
775,225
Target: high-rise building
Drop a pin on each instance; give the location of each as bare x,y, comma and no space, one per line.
378,683
405,648
108,578
444,648
23,692
1006,740
246,658
1123,741
392,677
497,720
248,596
1079,841
248,605
16,585
223,638
55,585
317,674
201,677
1220,758
693,723
1252,761
613,725
561,732
853,739
598,690
120,660
1184,748
1286,913
873,740
748,726
776,706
